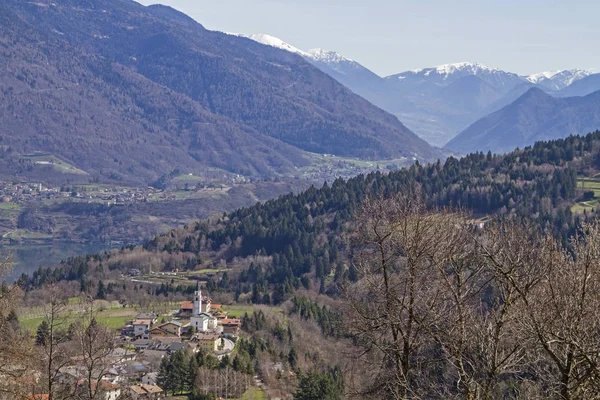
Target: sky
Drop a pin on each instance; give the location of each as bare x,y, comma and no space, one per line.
392,36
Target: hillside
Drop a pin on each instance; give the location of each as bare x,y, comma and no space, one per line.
302,240
112,85
535,116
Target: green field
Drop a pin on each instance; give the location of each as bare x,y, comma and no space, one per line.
238,311
586,185
254,393
111,322
54,162
9,206
110,314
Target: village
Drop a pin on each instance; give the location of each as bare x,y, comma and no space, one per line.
132,367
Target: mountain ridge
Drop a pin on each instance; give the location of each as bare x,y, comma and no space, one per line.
234,105
535,116
422,99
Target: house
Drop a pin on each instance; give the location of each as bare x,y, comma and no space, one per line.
186,309
127,330
141,328
176,347
214,308
142,344
151,316
150,378
209,341
168,329
144,391
107,390
231,326
119,355
219,315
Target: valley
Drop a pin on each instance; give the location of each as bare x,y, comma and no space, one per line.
44,223
190,214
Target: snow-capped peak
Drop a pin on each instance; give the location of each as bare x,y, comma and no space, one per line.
274,42
447,70
326,56
558,79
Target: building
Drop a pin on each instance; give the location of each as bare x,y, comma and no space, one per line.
209,341
107,390
150,378
168,329
231,326
153,317
203,322
141,328
144,391
186,309
142,344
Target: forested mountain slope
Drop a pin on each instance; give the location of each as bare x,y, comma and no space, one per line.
301,240
148,83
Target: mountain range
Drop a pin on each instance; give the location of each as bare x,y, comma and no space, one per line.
440,102
127,92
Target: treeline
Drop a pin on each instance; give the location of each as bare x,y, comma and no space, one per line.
185,372
305,233
328,320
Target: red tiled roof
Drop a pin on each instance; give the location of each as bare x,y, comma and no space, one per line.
187,305
41,396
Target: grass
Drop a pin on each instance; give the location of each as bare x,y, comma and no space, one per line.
109,321
204,271
254,393
587,184
238,311
9,206
113,316
55,162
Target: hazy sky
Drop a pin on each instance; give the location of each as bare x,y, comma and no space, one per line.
390,36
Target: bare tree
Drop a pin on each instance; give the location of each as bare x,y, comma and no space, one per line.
94,344
559,301
401,246
55,352
15,349
477,316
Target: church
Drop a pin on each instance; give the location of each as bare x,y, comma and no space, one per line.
201,320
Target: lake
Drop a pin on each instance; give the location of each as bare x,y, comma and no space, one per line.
29,257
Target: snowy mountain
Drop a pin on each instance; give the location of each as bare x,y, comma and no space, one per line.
557,80
272,41
351,74
444,75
